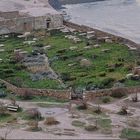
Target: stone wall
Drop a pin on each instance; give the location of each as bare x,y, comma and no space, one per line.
65,94
28,24
90,95
9,15
59,94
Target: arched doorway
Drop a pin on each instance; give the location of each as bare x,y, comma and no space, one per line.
48,23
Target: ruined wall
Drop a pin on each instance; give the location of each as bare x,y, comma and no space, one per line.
90,95
28,24
9,15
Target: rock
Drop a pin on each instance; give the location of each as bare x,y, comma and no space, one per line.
105,50
129,76
96,46
73,48
90,37
1,45
47,47
34,39
87,47
29,42
108,40
85,63
6,36
1,60
2,50
135,77
82,34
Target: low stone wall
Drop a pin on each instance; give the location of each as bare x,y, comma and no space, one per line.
59,94
91,95
99,33
65,94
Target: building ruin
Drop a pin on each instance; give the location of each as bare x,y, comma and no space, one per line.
26,17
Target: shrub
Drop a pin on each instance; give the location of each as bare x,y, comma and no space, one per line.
102,74
98,109
78,123
51,121
106,99
2,94
65,76
123,111
91,128
2,109
34,126
106,82
135,98
82,107
118,93
34,114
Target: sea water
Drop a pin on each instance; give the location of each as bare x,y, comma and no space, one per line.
119,17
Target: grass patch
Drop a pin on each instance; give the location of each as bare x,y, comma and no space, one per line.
130,134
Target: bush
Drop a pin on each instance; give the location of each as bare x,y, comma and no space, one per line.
51,121
34,114
39,45
91,128
102,74
2,94
82,107
118,93
98,110
123,111
65,76
34,126
106,99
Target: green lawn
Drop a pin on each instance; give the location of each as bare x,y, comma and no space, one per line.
97,74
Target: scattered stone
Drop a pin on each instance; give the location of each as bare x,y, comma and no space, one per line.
2,50
105,50
85,63
6,36
108,40
29,42
1,60
90,37
129,76
131,48
1,45
90,32
87,47
34,39
73,48
82,34
135,77
96,46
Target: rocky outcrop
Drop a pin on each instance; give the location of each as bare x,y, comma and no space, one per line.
55,4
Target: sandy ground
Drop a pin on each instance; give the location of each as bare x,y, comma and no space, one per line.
63,115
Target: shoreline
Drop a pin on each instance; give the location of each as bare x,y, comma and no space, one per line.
100,33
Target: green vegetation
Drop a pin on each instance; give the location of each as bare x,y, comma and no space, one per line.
130,133
78,123
105,69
